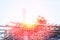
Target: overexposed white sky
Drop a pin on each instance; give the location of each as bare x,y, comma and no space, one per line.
11,10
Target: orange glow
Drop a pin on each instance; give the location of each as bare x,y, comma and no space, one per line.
26,26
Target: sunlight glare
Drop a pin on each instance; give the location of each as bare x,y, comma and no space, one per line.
29,20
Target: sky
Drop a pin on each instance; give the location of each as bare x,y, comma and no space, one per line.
12,10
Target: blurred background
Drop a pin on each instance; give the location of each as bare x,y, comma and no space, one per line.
27,11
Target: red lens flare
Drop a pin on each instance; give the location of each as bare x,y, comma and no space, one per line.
37,30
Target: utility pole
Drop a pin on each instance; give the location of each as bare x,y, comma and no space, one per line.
24,15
